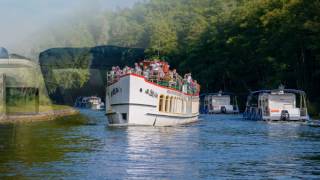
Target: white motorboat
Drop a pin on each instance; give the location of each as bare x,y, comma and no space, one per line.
92,102
219,103
277,105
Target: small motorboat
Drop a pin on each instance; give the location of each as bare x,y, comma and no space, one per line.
92,102
219,103
277,105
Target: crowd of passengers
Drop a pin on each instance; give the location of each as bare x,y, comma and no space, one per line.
158,72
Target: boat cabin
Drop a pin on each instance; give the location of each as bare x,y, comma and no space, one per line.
219,103
277,105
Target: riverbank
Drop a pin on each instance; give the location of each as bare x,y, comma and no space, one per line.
46,113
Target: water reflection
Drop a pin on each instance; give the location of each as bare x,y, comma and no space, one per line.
160,151
23,145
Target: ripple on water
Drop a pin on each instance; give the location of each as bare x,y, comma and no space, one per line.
215,147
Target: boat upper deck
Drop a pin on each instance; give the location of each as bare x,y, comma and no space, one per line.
159,73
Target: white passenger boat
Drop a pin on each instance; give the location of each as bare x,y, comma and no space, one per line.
219,103
151,95
92,102
277,105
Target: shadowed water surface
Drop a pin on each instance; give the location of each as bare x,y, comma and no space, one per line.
216,147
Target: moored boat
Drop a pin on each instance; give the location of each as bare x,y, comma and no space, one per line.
92,102
277,105
151,94
219,103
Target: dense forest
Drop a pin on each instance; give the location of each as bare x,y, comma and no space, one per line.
231,45
240,45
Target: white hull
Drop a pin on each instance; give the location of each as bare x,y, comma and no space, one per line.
134,101
147,119
219,112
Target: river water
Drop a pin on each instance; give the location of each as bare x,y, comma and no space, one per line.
217,147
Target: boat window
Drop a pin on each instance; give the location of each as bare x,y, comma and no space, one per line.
184,106
177,105
161,103
124,116
167,104
174,104
282,101
171,104
221,100
180,108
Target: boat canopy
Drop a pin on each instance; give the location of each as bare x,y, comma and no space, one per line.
254,96
282,100
221,100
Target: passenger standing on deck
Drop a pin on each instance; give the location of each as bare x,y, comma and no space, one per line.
146,73
137,69
161,73
125,70
112,74
189,78
118,72
174,73
154,70
129,70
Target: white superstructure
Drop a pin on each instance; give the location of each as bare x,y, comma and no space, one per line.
135,100
277,105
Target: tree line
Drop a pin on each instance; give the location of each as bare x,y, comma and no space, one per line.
230,45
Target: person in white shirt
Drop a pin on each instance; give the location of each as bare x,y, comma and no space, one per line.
146,73
189,78
137,69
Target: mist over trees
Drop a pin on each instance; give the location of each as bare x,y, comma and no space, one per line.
82,29
233,45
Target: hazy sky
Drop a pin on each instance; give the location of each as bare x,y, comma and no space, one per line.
20,18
